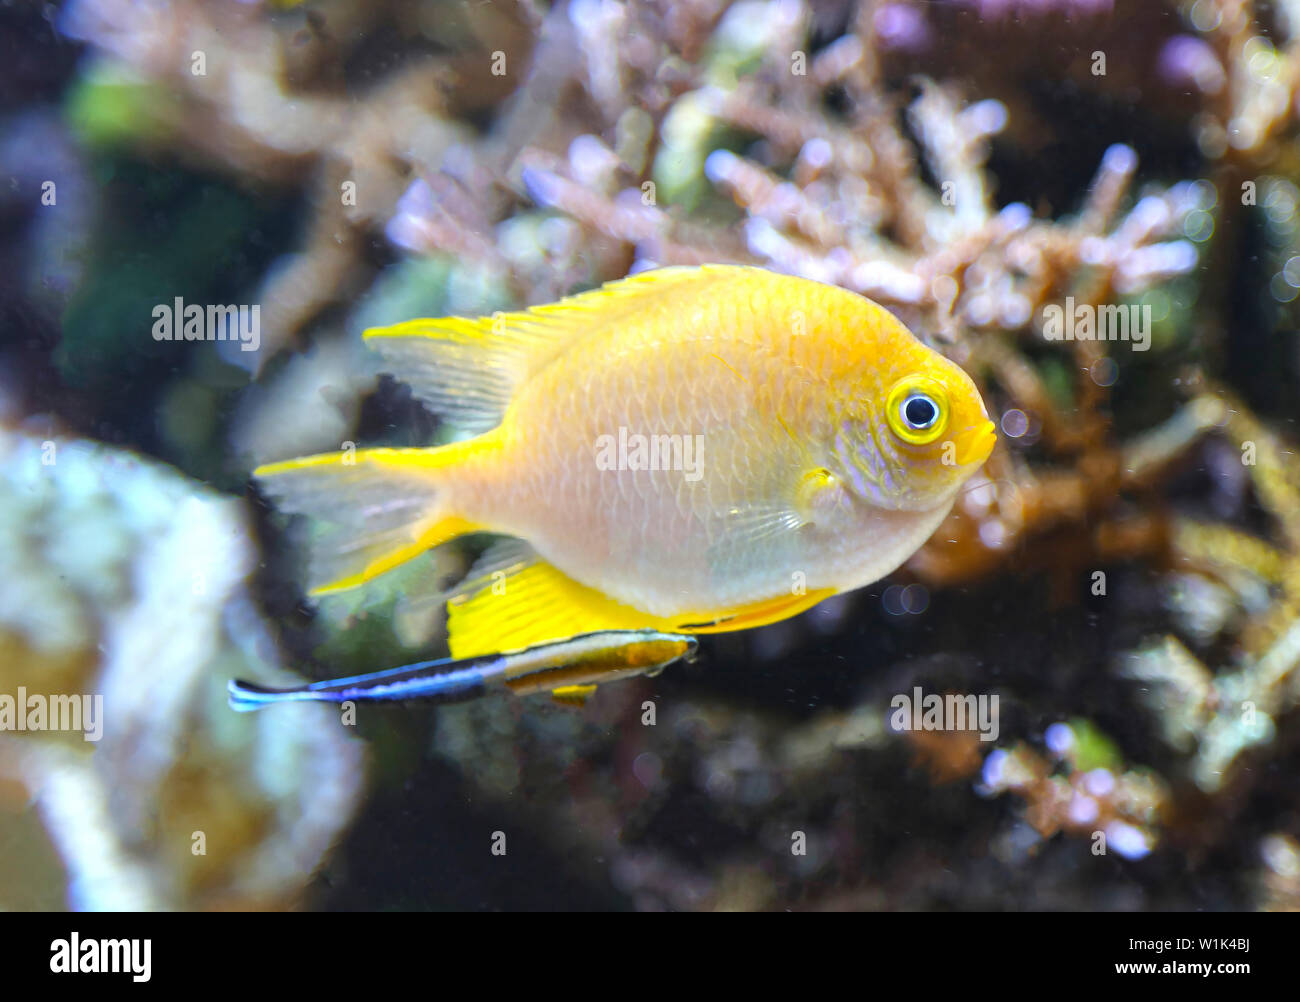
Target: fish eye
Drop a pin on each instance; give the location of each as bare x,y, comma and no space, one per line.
917,410
920,412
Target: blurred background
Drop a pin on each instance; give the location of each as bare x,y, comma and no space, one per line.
1125,576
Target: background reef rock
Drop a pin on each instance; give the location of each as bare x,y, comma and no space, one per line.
124,579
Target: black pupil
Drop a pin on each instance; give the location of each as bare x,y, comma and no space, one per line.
920,412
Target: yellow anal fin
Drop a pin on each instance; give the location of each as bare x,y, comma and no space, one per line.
531,604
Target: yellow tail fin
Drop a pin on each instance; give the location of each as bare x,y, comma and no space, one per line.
383,507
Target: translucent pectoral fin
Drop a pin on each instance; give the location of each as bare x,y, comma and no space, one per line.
770,531
770,528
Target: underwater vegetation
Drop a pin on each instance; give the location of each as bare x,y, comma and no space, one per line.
1090,207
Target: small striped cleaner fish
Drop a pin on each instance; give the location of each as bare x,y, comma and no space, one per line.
568,670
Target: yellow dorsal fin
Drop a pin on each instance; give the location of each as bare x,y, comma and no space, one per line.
468,370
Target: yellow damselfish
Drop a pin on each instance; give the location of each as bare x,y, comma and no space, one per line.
688,450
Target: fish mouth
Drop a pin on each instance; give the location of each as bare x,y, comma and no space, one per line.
975,443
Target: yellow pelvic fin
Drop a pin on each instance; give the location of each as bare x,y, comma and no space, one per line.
468,370
758,614
382,507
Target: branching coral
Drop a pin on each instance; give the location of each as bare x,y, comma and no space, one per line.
1238,709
